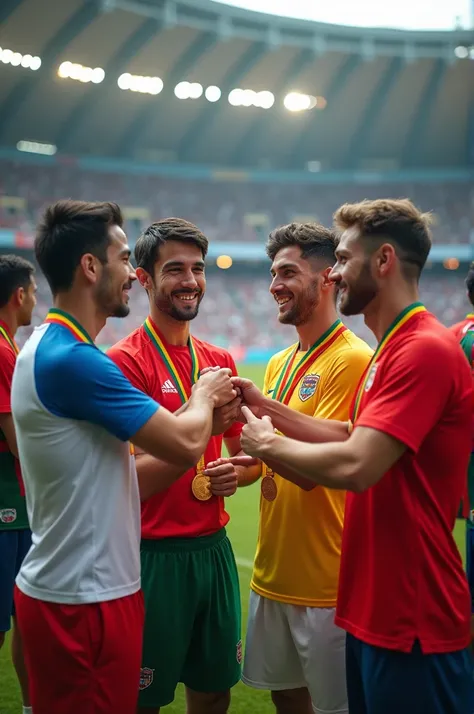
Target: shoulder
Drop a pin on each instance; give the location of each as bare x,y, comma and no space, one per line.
351,348
279,358
427,347
133,345
7,356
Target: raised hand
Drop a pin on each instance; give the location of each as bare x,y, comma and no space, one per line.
217,385
225,416
250,394
257,434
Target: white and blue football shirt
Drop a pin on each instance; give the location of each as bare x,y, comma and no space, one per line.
74,412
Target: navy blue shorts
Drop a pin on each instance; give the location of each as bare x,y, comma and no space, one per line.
470,561
14,545
382,681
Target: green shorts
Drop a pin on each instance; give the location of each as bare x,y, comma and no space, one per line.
193,619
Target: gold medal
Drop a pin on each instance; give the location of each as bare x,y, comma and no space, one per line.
201,487
268,486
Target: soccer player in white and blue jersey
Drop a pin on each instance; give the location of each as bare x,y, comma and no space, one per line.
78,598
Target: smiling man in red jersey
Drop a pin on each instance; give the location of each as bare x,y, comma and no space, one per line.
189,576
403,595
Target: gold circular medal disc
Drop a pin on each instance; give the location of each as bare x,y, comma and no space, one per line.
269,488
201,487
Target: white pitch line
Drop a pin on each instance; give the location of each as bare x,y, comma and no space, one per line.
244,563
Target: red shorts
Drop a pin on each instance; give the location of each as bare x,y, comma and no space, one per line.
82,659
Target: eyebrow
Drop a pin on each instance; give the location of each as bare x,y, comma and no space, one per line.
285,266
125,251
180,263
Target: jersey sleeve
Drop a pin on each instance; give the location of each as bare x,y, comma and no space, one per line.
83,383
130,367
411,393
236,428
339,387
7,365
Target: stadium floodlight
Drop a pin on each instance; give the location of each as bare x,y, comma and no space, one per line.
182,90
224,262
265,100
296,102
213,93
80,73
16,59
235,97
461,52
250,98
137,83
36,147
195,90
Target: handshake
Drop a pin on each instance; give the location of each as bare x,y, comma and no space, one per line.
229,394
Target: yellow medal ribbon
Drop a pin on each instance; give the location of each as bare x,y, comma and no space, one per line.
10,340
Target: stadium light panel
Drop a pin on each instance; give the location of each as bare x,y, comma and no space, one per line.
461,52
137,83
296,102
36,147
249,98
213,93
80,73
16,59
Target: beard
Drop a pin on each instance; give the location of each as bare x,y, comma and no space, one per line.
105,296
304,306
183,313
357,296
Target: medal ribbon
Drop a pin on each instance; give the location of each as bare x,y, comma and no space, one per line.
470,316
59,317
165,356
396,325
289,377
10,340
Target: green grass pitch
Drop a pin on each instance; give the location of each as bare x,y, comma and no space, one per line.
243,508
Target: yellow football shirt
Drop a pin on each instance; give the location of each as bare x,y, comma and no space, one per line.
300,532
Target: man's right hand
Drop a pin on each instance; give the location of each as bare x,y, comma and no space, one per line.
217,385
250,395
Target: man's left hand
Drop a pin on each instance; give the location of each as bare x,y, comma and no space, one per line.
223,477
257,434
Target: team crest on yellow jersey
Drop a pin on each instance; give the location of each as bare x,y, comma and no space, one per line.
308,386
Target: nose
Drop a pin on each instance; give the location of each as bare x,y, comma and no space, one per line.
132,273
335,275
276,285
189,280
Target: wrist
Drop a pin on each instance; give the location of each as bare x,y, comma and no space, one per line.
268,446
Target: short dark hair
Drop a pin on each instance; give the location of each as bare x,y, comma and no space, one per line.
395,221
147,248
470,283
15,272
69,229
315,241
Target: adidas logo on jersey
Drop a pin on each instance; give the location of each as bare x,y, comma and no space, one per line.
168,387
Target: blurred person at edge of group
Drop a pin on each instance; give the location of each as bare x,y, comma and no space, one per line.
17,300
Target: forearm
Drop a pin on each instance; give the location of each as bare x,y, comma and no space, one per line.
303,427
247,475
332,465
194,424
289,474
154,475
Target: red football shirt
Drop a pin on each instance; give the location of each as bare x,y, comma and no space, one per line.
7,365
401,575
175,513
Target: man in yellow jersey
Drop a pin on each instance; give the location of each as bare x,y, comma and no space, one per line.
293,646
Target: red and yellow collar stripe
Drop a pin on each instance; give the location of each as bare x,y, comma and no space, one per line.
396,325
59,317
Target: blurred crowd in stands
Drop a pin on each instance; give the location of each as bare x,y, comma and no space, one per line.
223,210
238,312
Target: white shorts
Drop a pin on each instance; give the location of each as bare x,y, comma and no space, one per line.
290,646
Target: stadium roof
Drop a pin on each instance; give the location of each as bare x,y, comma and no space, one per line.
383,98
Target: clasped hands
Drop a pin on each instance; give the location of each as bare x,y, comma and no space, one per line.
237,399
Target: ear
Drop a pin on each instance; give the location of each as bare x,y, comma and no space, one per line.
385,258
326,283
18,297
91,267
144,278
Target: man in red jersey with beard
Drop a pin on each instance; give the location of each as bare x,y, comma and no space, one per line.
403,596
189,576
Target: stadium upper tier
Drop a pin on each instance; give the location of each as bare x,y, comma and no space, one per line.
225,211
238,312
195,81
